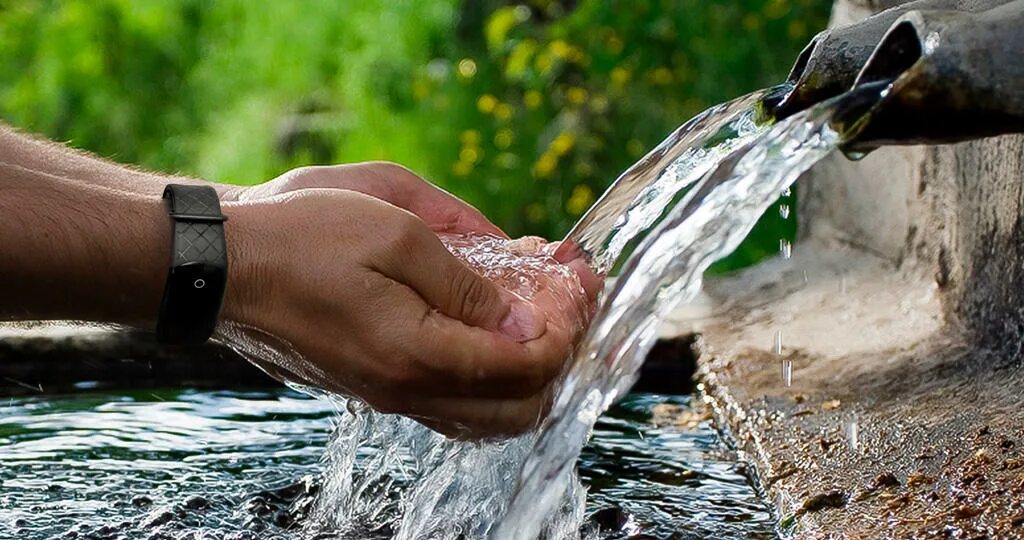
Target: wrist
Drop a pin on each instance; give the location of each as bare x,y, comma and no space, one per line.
246,264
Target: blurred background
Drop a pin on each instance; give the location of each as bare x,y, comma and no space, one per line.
528,110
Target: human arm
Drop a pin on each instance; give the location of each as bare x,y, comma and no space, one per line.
361,293
44,156
389,182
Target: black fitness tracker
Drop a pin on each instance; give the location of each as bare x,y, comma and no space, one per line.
199,266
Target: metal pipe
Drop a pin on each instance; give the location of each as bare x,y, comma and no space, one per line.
829,65
956,76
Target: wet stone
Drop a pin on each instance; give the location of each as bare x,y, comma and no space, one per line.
966,511
196,502
884,480
822,501
612,518
140,501
158,517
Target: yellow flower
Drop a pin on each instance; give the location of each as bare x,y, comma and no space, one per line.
533,99
462,168
599,104
486,103
580,199
576,55
620,76
776,9
635,148
503,111
751,22
535,213
519,59
470,137
576,95
662,76
563,143
614,44
543,62
467,68
503,139
560,49
797,29
545,165
469,154
420,89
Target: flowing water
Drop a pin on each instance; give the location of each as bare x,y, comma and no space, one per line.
687,204
684,206
186,464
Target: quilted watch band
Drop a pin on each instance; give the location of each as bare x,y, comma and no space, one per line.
199,266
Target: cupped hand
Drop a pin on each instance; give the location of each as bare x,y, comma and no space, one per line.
439,210
364,300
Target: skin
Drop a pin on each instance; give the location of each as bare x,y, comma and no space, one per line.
339,269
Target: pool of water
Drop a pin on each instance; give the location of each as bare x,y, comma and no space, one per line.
189,464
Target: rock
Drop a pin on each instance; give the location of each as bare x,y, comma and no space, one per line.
819,501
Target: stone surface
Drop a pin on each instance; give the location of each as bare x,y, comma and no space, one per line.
902,313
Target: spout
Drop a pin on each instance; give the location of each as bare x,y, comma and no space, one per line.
956,76
829,65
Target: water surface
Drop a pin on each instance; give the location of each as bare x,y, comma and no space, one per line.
186,464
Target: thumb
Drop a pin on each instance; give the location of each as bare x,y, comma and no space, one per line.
455,290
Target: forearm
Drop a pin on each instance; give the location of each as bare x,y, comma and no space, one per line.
45,156
70,250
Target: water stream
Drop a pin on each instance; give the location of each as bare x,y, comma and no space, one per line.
684,206
690,202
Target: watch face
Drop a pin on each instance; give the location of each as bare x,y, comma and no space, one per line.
192,302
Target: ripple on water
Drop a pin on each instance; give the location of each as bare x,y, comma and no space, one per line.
235,465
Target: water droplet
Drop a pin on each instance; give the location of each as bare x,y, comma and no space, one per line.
784,211
785,248
777,343
354,406
782,503
787,372
852,431
854,155
787,192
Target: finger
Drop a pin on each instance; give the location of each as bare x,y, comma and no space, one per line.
469,419
572,255
471,362
444,211
445,283
442,357
391,183
591,282
568,250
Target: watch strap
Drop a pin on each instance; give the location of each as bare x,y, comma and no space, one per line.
197,277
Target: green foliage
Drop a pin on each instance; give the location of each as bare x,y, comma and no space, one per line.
526,110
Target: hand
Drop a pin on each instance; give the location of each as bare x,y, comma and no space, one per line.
442,212
364,300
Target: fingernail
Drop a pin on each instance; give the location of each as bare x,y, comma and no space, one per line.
522,323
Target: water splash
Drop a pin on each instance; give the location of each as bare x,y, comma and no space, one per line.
785,248
687,204
851,430
710,220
